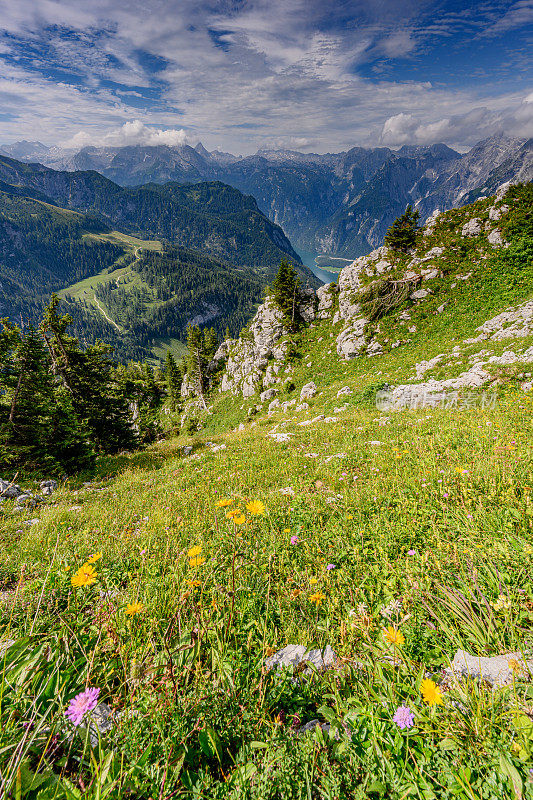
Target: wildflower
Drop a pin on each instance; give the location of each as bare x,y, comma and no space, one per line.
317,598
404,717
294,539
196,561
411,552
194,551
331,566
515,665
461,471
239,519
256,508
431,693
393,636
312,581
93,558
223,502
134,608
501,603
393,608
82,704
85,576
234,512
286,530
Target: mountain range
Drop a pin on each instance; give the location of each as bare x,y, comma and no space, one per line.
134,265
338,204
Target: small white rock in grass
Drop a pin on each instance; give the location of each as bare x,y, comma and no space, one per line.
287,490
308,391
344,390
330,419
294,654
496,670
280,437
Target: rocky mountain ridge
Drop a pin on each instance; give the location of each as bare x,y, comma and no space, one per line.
334,203
383,301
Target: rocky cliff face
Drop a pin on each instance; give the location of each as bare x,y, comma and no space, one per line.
382,284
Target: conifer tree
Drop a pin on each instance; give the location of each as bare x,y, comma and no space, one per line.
196,361
210,343
286,293
173,378
403,232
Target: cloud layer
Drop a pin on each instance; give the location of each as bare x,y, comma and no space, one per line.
244,74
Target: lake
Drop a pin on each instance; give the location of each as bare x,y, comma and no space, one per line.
309,260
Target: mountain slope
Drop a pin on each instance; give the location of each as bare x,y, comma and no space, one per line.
213,217
334,203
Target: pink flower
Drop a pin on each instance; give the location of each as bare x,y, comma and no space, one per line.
82,704
294,539
331,566
411,552
404,717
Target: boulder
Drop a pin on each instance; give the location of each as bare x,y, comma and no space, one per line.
472,228
268,394
9,490
420,294
326,299
308,391
495,238
351,341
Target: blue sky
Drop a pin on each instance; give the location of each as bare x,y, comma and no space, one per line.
244,74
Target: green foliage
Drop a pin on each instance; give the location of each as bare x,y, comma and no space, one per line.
286,293
402,234
173,378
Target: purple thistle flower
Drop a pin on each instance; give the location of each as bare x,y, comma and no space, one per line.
331,566
294,539
81,705
404,717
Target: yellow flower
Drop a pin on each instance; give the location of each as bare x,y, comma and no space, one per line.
223,502
197,561
393,636
286,530
350,516
85,576
317,598
431,693
93,558
134,608
514,665
312,581
194,551
193,584
501,603
234,512
239,519
256,508
461,471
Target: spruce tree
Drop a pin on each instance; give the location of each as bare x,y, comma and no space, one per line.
196,361
403,232
210,343
286,293
173,378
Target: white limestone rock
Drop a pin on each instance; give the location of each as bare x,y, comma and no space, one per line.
308,391
351,340
495,238
295,654
496,670
326,299
472,228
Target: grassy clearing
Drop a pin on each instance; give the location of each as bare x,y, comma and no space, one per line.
438,517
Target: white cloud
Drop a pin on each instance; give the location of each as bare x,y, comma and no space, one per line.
130,133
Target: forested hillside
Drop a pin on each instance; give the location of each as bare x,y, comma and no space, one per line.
209,216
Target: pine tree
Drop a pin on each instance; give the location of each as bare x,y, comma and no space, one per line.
173,378
210,343
286,293
196,361
403,232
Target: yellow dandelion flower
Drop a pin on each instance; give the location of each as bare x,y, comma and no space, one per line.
194,551
286,530
196,561
350,516
461,471
239,519
317,598
234,512
430,692
256,508
393,636
312,581
93,558
134,608
85,576
224,502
